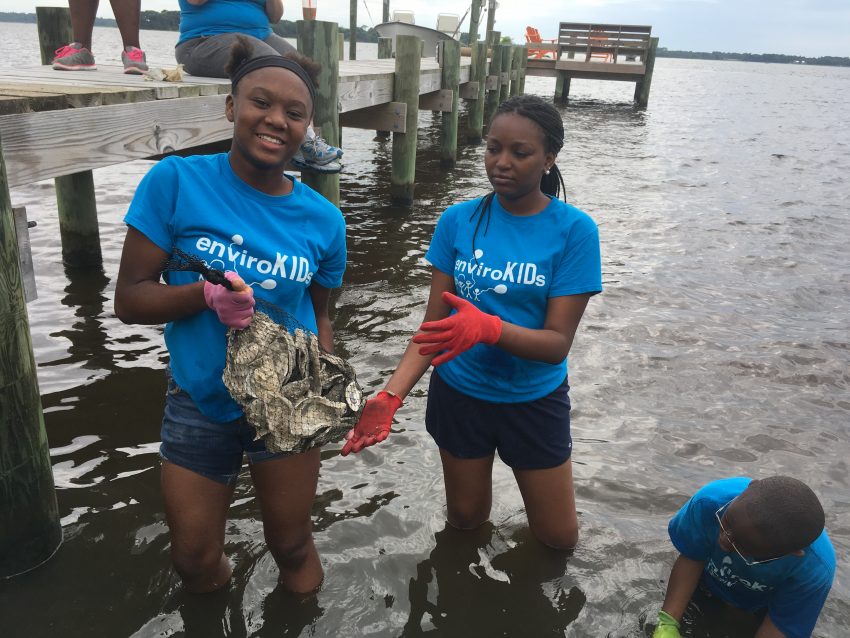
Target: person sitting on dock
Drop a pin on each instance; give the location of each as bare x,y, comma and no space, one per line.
208,29
512,273
242,210
757,545
78,56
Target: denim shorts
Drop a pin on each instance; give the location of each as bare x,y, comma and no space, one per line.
533,435
213,450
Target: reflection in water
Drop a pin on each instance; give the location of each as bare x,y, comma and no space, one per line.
475,583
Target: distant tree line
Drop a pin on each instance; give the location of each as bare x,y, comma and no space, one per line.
170,21
774,58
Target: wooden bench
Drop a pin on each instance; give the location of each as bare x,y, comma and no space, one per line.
604,42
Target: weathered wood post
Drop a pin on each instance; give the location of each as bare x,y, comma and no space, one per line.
352,25
407,64
562,87
477,73
505,75
341,47
75,197
30,531
385,52
317,39
643,85
449,79
516,70
491,21
523,67
494,84
386,12
474,19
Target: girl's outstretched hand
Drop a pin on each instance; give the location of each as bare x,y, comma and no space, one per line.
459,332
235,308
374,424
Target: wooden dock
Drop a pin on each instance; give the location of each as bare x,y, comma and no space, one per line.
56,123
620,52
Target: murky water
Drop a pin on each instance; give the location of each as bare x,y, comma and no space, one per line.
720,347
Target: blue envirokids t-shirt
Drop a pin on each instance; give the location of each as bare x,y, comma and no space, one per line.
515,266
223,16
793,588
281,244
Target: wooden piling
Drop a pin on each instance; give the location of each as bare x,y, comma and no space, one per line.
477,73
523,67
449,79
643,85
385,48
341,47
352,36
30,531
316,39
407,63
505,74
562,88
385,52
474,20
386,11
494,86
516,70
491,21
75,197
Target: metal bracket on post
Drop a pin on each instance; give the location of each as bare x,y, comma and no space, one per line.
25,252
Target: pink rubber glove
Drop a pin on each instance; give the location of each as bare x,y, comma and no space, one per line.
464,329
374,424
235,308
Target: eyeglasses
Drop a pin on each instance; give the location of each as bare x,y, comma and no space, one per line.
728,536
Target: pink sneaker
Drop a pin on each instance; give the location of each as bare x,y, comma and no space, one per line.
134,60
73,57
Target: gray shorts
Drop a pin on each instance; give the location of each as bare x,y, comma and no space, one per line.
207,56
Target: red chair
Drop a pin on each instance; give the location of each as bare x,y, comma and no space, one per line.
532,36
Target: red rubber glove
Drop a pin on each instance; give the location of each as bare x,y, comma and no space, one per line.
459,332
235,308
374,424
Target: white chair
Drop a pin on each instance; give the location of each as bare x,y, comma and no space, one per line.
403,16
448,23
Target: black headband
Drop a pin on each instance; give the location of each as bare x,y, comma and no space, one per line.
263,61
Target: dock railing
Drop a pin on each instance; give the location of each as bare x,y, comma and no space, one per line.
607,42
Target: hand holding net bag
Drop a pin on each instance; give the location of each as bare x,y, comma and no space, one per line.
294,394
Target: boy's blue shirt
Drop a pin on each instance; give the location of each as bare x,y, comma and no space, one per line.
199,205
517,264
793,588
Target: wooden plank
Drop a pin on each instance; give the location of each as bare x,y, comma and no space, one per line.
382,117
37,145
468,91
600,68
437,101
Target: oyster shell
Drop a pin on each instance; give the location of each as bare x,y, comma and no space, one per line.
295,395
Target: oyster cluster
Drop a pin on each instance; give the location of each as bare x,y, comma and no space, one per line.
293,393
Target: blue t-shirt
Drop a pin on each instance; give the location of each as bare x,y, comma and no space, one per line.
223,16
516,265
199,205
793,588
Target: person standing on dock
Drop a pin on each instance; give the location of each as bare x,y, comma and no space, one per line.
78,56
512,273
208,29
239,208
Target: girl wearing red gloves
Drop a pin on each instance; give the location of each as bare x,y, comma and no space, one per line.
512,274
238,212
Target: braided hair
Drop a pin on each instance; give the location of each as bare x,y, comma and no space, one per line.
548,119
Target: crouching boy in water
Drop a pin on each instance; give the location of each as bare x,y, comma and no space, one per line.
759,545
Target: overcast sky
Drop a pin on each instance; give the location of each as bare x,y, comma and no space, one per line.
797,27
